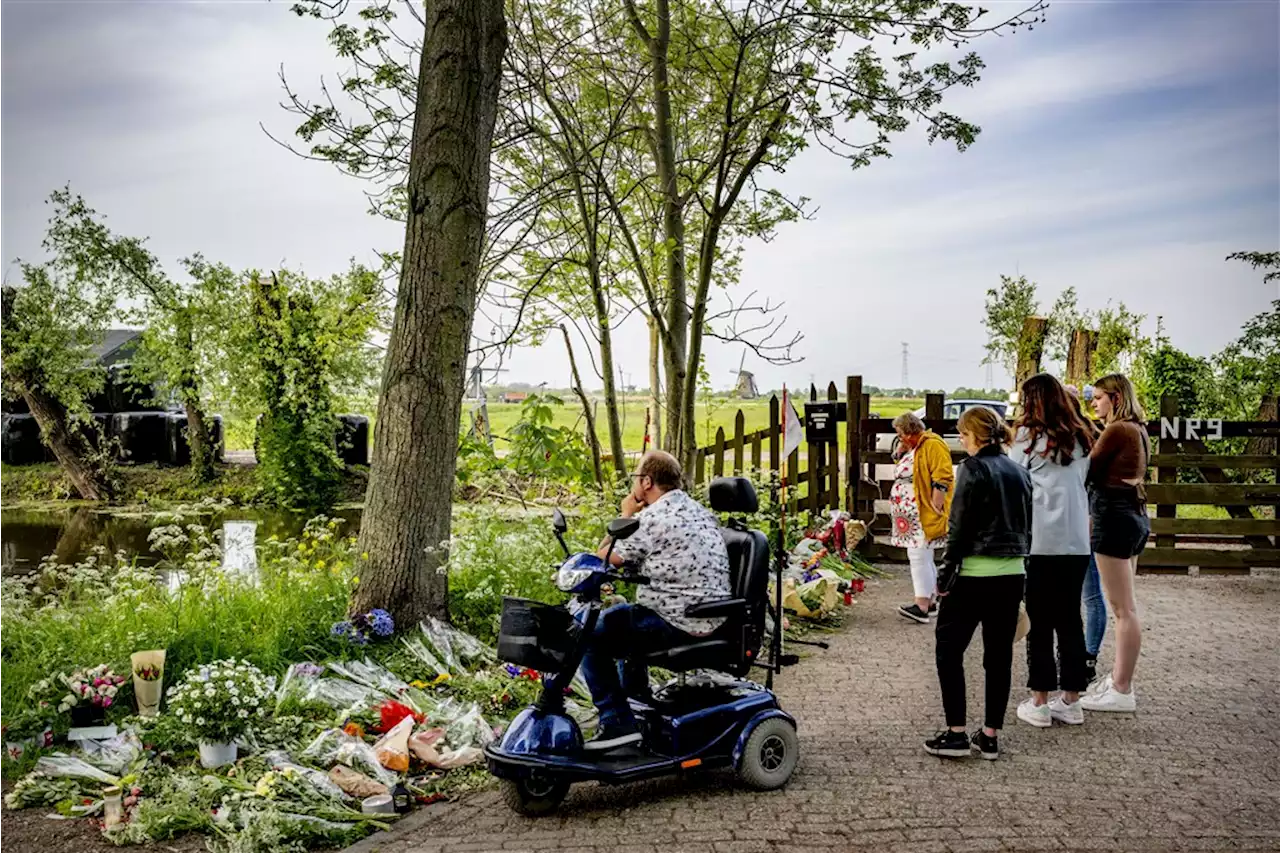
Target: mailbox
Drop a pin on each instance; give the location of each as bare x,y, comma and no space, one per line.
821,419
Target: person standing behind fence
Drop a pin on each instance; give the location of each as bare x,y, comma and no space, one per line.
981,581
1052,442
918,507
1118,511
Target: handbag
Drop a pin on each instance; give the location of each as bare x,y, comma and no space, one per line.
1024,622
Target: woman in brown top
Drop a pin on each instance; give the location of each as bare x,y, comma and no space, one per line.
1118,515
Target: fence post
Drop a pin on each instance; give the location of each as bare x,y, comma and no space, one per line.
775,434
755,450
852,442
831,497
868,439
1168,409
739,432
817,464
700,466
717,449
932,409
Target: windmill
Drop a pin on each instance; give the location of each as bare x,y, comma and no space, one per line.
746,386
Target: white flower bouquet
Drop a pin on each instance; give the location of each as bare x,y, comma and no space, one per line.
219,701
90,692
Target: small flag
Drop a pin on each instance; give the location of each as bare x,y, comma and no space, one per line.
792,433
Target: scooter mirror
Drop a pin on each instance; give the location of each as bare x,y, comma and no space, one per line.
621,528
557,521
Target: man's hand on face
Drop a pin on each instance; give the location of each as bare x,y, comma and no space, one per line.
631,505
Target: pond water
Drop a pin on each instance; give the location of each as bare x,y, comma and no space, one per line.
28,536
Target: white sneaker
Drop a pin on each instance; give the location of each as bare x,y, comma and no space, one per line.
1071,713
1098,685
1110,699
1036,715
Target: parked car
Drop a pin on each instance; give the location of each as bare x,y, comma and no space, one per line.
951,410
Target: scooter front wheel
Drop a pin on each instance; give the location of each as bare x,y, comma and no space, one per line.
533,797
770,755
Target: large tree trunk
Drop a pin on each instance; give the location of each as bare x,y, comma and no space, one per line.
655,383
198,439
593,441
69,445
407,509
672,224
616,448
706,266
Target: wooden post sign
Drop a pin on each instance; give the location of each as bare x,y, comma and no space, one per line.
1191,429
821,420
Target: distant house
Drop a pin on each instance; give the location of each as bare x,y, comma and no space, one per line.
117,346
513,397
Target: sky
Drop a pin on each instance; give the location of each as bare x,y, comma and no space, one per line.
1127,147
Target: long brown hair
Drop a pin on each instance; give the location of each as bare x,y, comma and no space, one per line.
1124,399
1049,410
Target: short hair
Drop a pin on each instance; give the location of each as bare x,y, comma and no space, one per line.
908,423
663,468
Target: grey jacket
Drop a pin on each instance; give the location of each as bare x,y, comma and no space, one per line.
1059,501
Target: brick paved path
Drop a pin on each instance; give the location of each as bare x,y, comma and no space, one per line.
1198,768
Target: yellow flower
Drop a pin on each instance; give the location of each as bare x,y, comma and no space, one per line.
441,678
365,555
418,684
355,580
319,564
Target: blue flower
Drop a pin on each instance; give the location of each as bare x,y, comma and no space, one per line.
512,670
381,623
341,629
358,638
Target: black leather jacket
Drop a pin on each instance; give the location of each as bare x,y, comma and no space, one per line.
990,512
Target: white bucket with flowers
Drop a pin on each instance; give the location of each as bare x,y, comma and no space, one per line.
217,702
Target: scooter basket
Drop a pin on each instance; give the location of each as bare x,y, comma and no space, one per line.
536,636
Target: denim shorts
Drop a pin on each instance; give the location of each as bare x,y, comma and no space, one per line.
1121,526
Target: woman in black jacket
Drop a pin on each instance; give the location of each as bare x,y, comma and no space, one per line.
981,580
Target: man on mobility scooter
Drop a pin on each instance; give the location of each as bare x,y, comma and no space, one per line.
694,722
679,548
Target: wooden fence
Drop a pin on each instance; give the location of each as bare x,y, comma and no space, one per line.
814,479
1248,538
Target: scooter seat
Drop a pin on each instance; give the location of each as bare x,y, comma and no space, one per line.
708,654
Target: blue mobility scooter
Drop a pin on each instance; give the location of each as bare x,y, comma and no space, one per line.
708,721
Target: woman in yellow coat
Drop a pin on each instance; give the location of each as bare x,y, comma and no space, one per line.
918,506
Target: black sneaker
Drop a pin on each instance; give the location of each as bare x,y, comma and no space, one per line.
1091,670
933,609
988,747
612,737
914,613
948,744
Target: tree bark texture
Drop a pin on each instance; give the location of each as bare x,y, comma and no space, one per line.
406,524
1030,349
592,440
202,448
655,384
1084,342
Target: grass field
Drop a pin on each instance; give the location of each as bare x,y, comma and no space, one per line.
503,416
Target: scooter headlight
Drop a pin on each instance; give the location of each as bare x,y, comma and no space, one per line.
577,570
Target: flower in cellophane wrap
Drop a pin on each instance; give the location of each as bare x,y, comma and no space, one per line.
148,680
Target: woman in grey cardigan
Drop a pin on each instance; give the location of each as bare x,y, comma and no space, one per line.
1053,442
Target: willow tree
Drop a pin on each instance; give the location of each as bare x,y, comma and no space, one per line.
406,520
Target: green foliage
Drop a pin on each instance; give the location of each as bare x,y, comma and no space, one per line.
1267,261
541,449
1169,370
304,338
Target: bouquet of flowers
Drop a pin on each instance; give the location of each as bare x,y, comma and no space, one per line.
97,686
362,626
219,701
148,680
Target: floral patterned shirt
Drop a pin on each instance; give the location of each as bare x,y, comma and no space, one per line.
680,549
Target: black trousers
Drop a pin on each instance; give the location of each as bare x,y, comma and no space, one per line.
993,604
1053,605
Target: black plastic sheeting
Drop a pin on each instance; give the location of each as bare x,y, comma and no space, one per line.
20,441
178,450
353,439
142,436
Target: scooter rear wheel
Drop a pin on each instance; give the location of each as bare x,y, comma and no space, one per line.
770,755
533,797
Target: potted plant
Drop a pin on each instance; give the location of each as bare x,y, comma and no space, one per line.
148,681
217,702
90,693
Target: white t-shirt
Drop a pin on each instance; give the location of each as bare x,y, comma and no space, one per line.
1059,501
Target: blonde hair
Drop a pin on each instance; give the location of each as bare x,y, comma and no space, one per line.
908,423
1124,400
985,425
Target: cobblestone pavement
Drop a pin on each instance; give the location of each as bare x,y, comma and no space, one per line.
1197,768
